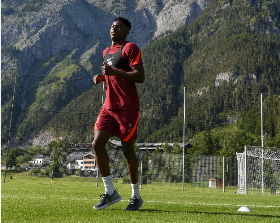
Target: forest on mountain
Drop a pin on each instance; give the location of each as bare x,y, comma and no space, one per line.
222,119
238,39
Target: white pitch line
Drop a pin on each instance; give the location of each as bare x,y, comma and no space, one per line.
168,202
191,203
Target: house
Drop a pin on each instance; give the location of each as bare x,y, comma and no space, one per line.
76,161
89,161
41,160
82,161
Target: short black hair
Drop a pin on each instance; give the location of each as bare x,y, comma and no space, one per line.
124,21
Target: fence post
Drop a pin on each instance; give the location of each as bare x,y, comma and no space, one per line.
53,165
245,170
224,174
262,173
262,142
184,138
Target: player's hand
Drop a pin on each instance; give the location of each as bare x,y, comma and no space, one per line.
97,79
107,70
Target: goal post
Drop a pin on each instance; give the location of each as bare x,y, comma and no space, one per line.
259,170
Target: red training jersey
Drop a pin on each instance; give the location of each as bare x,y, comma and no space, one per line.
120,93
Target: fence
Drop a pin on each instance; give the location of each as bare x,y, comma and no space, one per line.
215,171
199,171
159,166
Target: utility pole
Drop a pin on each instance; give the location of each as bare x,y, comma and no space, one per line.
262,119
184,138
262,143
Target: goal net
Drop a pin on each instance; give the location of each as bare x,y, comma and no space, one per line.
259,170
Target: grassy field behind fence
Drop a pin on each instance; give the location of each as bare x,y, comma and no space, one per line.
32,199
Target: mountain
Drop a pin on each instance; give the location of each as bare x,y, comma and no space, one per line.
42,28
226,57
46,44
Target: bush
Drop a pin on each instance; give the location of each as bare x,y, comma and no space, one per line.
77,172
35,172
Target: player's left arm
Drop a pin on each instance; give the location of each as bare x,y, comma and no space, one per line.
136,75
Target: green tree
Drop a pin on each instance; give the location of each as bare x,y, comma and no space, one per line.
58,154
12,157
167,148
207,145
177,149
234,141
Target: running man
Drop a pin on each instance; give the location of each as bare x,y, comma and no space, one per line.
119,115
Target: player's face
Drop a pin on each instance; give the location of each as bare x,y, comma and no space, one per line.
118,31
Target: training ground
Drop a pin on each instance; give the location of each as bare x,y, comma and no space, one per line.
26,198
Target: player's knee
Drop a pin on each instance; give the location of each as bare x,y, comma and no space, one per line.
130,156
93,145
96,147
132,161
127,153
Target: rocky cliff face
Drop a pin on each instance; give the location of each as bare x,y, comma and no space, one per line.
42,28
37,35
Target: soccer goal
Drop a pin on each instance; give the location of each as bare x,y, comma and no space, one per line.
259,170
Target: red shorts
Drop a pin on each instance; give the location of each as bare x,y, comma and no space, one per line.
121,123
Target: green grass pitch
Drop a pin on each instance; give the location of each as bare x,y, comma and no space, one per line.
32,199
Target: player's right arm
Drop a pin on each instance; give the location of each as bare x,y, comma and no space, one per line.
97,79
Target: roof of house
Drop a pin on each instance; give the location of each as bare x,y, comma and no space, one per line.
81,147
41,156
150,146
89,155
76,156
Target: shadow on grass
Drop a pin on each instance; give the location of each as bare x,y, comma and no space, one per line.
209,213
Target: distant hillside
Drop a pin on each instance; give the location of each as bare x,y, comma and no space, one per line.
225,58
61,42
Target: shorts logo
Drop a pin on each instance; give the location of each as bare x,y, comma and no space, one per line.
129,125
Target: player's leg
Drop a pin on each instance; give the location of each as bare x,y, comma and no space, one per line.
101,138
132,163
129,123
110,196
131,160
